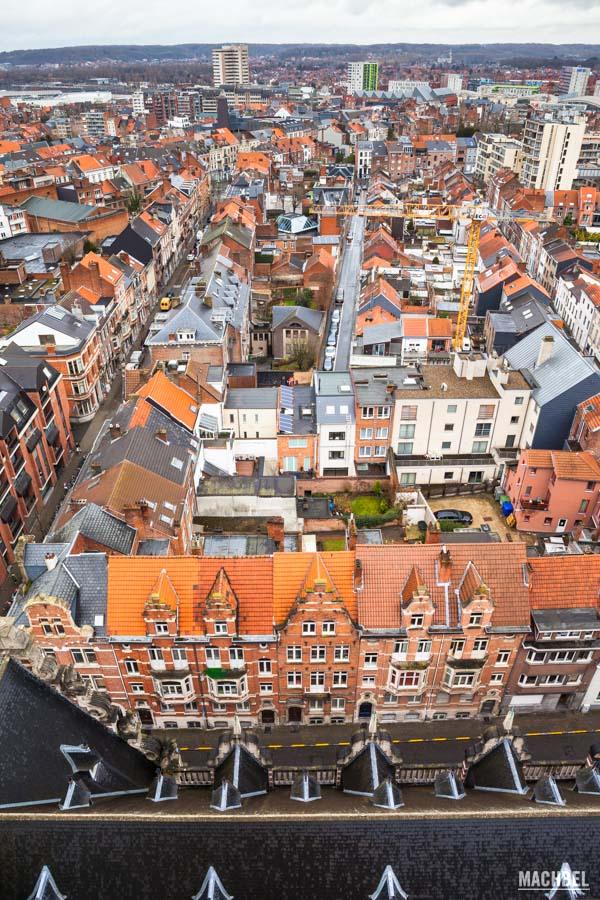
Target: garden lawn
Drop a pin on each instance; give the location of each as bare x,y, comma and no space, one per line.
366,505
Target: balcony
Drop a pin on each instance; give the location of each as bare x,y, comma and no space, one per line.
537,503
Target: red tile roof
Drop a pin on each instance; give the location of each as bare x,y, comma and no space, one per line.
385,571
558,582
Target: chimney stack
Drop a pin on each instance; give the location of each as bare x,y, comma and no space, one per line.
161,434
546,350
115,431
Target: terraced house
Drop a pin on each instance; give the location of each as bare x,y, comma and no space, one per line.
410,632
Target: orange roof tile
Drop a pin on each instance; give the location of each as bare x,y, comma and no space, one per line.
385,571
557,582
581,466
173,399
291,571
192,578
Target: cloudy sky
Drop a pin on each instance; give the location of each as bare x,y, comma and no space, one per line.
38,23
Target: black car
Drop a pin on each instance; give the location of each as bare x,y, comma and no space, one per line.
454,515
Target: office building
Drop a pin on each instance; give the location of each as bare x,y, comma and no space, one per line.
230,65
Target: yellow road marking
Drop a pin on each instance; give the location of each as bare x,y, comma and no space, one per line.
184,748
415,740
274,746
463,737
440,739
343,743
322,744
203,748
297,745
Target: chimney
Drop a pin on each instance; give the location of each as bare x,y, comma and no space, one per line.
65,274
144,508
546,348
115,431
358,575
433,534
445,565
276,531
96,281
51,560
161,435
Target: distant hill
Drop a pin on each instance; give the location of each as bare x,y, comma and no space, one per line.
133,53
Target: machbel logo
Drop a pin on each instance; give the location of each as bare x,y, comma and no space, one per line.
565,883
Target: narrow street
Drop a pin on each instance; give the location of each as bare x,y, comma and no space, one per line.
349,282
560,737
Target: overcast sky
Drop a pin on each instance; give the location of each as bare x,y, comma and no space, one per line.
38,23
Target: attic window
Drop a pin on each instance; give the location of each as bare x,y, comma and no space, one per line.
177,463
98,621
166,520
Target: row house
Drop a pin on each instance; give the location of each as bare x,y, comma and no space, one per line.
450,422
72,345
142,466
585,429
440,628
577,302
425,632
557,666
373,417
553,491
35,444
335,423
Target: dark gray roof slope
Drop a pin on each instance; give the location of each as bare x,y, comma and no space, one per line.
98,525
35,721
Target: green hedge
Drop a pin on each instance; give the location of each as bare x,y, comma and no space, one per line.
374,521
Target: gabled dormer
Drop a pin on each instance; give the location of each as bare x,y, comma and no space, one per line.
417,607
221,607
475,601
162,606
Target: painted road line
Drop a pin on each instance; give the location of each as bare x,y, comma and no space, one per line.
184,748
322,744
203,748
274,746
463,737
297,745
343,743
415,741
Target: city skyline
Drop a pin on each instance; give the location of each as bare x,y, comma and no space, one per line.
438,21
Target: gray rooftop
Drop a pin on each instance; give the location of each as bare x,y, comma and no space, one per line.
60,210
251,398
565,368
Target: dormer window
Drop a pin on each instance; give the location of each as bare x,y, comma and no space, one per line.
162,627
475,619
416,621
220,627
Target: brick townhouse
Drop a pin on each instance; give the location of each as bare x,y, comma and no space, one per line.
35,444
72,345
411,632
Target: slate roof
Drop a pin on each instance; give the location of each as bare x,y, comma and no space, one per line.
98,525
35,721
312,318
251,398
564,369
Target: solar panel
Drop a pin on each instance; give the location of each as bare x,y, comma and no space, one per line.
287,396
286,424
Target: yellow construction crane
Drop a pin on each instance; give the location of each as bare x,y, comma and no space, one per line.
473,213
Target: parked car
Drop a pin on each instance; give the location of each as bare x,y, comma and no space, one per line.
328,364
191,257
335,315
329,352
460,516
331,340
